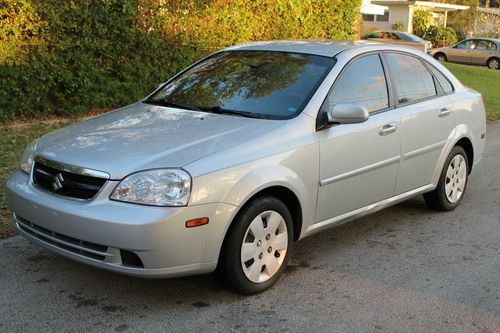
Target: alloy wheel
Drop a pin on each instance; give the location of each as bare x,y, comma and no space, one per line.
494,64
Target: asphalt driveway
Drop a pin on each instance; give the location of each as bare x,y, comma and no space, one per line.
402,269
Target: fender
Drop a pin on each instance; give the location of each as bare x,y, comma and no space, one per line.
267,176
459,132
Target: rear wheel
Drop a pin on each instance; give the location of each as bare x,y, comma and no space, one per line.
493,63
258,246
441,57
452,182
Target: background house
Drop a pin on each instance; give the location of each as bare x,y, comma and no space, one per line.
488,21
402,11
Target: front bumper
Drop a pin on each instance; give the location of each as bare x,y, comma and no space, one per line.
100,231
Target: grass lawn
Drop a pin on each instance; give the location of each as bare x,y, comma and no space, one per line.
484,80
14,138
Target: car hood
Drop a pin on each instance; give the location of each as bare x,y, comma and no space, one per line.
142,136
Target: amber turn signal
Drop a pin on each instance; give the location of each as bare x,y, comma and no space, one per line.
196,222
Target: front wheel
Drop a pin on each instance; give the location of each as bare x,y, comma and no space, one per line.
258,246
440,57
452,182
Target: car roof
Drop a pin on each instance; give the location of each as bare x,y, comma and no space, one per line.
328,48
495,40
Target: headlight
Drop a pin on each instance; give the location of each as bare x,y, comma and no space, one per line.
27,158
159,187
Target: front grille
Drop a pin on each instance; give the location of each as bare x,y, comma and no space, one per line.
66,183
78,246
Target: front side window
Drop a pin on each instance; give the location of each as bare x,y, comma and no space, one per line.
259,84
411,79
466,45
362,82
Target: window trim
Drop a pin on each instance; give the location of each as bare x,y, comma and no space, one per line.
429,68
438,94
321,124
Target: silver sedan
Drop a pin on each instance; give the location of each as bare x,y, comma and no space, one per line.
227,164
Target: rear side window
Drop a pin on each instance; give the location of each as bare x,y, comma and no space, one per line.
442,80
412,80
362,82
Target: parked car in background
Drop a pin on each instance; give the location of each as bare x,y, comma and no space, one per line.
474,51
231,161
400,38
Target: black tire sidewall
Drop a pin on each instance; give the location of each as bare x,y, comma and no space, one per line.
231,262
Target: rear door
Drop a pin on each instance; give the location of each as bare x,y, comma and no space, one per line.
482,52
426,118
359,162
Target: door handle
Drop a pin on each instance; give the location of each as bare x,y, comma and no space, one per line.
387,129
444,112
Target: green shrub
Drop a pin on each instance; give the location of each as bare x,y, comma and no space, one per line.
399,26
421,21
441,36
65,56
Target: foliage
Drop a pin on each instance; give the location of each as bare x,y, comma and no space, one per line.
64,56
399,26
441,36
421,21
20,27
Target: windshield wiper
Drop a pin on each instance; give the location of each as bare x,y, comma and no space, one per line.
214,109
219,110
173,105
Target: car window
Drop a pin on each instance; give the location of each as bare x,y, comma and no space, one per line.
363,82
466,45
482,45
411,79
485,45
395,36
387,35
410,37
260,84
376,35
442,80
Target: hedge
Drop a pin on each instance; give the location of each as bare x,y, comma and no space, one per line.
60,57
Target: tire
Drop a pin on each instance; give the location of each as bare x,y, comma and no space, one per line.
441,57
493,63
452,182
267,251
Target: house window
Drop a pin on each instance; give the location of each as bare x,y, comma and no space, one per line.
377,18
383,18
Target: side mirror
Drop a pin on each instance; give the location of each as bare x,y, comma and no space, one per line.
347,113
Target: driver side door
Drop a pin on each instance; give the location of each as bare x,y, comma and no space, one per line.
461,52
358,162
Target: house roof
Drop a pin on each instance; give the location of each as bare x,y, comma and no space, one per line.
435,6
491,11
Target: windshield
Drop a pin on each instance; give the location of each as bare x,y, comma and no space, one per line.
259,84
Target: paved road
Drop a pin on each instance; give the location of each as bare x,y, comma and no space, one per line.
402,269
